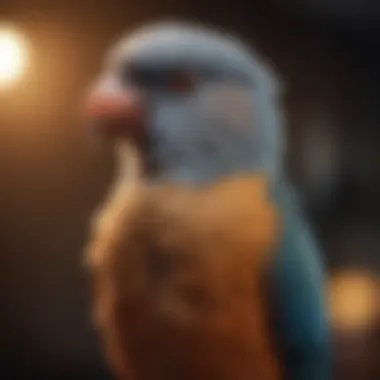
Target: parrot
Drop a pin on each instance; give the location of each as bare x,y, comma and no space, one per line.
203,263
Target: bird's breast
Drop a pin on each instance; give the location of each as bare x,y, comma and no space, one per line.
181,280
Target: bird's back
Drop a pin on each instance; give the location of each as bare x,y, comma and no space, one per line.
178,282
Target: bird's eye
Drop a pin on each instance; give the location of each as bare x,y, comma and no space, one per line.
181,82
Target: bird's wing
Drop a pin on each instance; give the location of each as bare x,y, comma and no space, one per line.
299,293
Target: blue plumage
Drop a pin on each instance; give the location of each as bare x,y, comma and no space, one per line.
299,294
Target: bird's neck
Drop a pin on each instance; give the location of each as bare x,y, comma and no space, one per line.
204,175
202,169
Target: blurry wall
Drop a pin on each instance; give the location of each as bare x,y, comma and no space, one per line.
52,177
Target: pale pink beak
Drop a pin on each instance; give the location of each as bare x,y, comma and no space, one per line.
114,111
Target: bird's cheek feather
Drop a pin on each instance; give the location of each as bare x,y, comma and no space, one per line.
230,103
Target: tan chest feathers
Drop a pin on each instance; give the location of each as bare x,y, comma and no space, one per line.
206,247
186,264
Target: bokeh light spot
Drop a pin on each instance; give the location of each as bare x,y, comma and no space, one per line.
13,56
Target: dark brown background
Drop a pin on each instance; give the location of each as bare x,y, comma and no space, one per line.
52,176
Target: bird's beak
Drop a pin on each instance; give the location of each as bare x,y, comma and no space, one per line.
112,110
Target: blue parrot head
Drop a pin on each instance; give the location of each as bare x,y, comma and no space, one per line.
197,103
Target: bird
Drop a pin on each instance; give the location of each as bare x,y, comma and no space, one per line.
203,264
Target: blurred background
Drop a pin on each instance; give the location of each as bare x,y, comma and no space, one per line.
52,176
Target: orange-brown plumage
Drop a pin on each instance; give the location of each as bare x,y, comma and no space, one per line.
178,281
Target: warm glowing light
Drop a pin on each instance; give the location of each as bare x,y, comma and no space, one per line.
13,56
354,298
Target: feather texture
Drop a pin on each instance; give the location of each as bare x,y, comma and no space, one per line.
178,281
